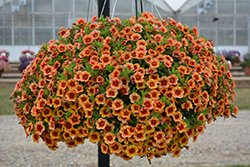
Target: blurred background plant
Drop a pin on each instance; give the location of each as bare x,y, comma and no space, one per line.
4,61
233,56
25,59
246,60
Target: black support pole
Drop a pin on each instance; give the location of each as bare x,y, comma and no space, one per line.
136,13
103,159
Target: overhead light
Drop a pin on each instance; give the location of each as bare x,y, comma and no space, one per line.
207,4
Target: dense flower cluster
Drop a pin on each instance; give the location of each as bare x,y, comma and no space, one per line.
135,87
25,59
4,60
233,56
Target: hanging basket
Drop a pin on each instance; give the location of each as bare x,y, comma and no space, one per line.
134,87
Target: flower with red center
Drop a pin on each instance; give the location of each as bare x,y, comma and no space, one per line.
127,30
182,127
94,137
170,110
104,111
74,119
101,123
111,92
85,75
153,122
56,102
71,95
88,106
124,89
47,70
125,113
115,147
114,30
137,27
95,34
131,151
100,99
152,52
81,21
205,96
159,105
115,83
158,38
117,104
154,63
197,77
163,82
173,79
140,54
87,39
46,112
177,92
152,84
201,117
138,77
85,52
72,84
148,103
199,130
134,97
83,98
106,59
159,136
41,103
78,89
229,74
39,128
125,131
70,143
135,37
52,47
36,137
177,116
140,136
109,138
191,83
55,134
187,105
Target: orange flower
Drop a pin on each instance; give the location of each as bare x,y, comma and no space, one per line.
56,102
94,137
201,117
159,105
134,97
173,79
148,103
170,110
115,148
101,123
61,48
81,21
159,136
39,128
187,105
85,75
36,137
199,130
154,63
158,38
131,150
100,99
182,127
137,27
46,112
124,90
72,84
74,119
117,104
88,106
115,83
109,138
196,76
55,134
163,82
177,116
135,37
47,70
71,95
87,39
125,131
141,54
66,135
152,84
177,92
41,103
144,112
111,92
106,59
153,122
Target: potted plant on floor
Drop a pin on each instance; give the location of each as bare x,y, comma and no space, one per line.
25,59
4,61
246,64
233,56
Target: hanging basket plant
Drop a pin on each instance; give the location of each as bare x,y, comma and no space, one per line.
134,87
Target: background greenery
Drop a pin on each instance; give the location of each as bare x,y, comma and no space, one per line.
242,100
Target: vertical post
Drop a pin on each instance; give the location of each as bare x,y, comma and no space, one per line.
136,13
103,9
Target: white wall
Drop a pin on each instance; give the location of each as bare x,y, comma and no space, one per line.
15,51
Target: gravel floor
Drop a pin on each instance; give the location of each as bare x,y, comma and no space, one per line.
223,143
